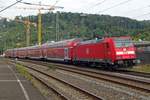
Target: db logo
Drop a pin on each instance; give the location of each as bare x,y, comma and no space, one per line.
124,49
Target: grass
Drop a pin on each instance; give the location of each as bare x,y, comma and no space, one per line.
141,68
52,67
23,71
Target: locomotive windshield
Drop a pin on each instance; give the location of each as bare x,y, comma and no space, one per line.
120,42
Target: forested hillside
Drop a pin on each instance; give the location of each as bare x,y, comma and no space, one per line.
71,25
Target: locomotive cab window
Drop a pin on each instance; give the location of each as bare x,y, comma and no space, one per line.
120,42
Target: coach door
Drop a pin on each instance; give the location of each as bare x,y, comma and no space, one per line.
66,53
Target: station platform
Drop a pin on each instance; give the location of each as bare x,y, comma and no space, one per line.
13,86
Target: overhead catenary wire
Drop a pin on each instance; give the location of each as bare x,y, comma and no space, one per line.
142,15
121,3
99,3
41,6
28,3
50,7
137,9
10,6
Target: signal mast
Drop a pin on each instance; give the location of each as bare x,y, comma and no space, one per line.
28,23
41,7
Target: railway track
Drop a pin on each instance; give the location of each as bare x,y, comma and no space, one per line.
63,97
121,71
140,74
138,83
43,77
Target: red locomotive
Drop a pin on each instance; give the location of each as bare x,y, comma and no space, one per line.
105,51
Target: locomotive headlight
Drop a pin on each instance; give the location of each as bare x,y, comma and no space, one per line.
131,52
119,53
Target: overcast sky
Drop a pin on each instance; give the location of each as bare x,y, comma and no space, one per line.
136,9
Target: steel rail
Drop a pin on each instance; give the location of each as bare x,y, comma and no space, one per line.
143,85
63,81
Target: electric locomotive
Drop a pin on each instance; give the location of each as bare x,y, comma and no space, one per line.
108,51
